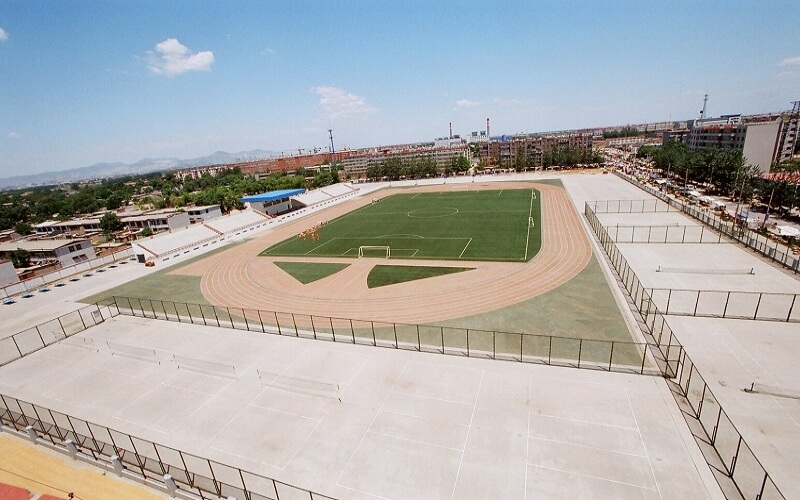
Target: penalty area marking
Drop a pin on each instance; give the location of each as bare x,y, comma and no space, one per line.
402,236
465,248
320,246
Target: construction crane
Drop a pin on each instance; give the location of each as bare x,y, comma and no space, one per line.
333,150
794,115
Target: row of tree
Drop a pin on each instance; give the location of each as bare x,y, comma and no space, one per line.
723,171
20,209
395,168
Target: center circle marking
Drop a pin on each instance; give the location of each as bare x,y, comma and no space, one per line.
432,213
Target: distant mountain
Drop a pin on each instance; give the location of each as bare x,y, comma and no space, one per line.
146,165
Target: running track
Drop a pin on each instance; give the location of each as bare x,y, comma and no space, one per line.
240,278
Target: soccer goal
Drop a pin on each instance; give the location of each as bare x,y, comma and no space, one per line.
374,252
530,221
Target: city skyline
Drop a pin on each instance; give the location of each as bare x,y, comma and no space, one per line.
91,83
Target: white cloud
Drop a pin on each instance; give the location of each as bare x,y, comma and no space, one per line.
172,58
466,103
500,101
14,135
3,35
338,102
790,61
268,52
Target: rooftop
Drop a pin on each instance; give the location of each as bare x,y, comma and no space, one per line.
273,195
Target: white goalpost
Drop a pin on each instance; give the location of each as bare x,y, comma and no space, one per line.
530,221
374,251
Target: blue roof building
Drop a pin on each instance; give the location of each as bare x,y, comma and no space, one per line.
273,195
273,202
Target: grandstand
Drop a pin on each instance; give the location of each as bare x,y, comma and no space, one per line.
173,242
237,222
325,194
200,237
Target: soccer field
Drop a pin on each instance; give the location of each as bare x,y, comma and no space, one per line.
500,225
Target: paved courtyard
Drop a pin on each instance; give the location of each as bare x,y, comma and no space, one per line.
364,422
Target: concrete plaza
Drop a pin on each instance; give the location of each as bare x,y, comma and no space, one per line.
364,422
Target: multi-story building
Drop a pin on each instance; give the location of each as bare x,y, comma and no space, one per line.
355,165
504,152
758,136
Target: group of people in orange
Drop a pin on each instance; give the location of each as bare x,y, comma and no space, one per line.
311,232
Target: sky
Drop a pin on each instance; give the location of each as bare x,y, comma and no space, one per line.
84,82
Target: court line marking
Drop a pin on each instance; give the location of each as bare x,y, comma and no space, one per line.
377,412
591,476
426,443
466,439
644,446
588,445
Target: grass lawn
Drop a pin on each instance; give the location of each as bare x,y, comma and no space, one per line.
161,285
448,225
308,272
389,275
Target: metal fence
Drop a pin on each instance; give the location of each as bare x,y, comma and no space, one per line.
173,470
777,252
608,355
669,348
629,206
663,234
727,304
40,336
739,462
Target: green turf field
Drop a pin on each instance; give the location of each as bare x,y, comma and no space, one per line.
450,225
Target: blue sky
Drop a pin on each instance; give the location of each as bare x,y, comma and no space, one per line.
83,82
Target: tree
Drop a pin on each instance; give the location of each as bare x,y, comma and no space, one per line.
113,202
148,231
23,228
110,222
20,258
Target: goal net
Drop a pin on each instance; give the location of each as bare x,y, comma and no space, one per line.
374,251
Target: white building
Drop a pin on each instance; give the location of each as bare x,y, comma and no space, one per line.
66,252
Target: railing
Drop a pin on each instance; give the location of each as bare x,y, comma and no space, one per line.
40,336
776,252
173,470
727,304
607,355
738,461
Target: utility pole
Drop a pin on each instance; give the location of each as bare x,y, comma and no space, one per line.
739,204
766,216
